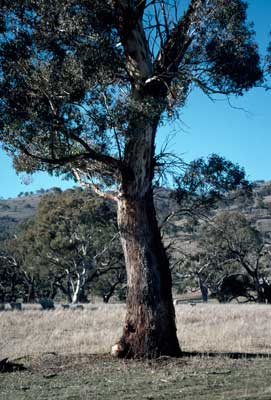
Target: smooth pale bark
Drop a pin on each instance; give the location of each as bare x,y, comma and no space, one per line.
150,329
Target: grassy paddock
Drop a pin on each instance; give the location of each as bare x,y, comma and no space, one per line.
203,328
84,377
64,352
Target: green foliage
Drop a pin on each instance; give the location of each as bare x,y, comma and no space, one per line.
11,286
231,236
213,242
56,60
229,244
70,238
66,96
111,284
205,182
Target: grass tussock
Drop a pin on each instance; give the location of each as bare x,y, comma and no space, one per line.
204,328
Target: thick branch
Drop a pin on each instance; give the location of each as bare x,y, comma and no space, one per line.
90,155
130,27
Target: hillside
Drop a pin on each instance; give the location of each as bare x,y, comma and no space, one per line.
14,210
258,210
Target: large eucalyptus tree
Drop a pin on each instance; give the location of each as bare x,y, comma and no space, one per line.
84,85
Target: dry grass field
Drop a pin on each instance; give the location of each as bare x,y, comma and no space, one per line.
202,328
66,355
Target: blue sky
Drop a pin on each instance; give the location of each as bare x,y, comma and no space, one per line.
241,134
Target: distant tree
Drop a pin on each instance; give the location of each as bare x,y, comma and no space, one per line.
10,279
73,239
202,187
84,86
40,191
15,280
17,256
234,286
206,182
56,189
111,284
230,245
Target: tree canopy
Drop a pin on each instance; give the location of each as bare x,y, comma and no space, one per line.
68,72
205,182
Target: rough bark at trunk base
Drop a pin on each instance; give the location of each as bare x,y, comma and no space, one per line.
150,338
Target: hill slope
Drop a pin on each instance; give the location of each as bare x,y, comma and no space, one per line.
258,210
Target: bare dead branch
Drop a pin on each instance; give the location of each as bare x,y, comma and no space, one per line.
77,174
178,41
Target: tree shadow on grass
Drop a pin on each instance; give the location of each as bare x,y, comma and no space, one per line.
10,366
232,355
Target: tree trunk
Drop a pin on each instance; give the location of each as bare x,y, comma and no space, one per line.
31,297
203,289
150,329
31,294
258,286
109,293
